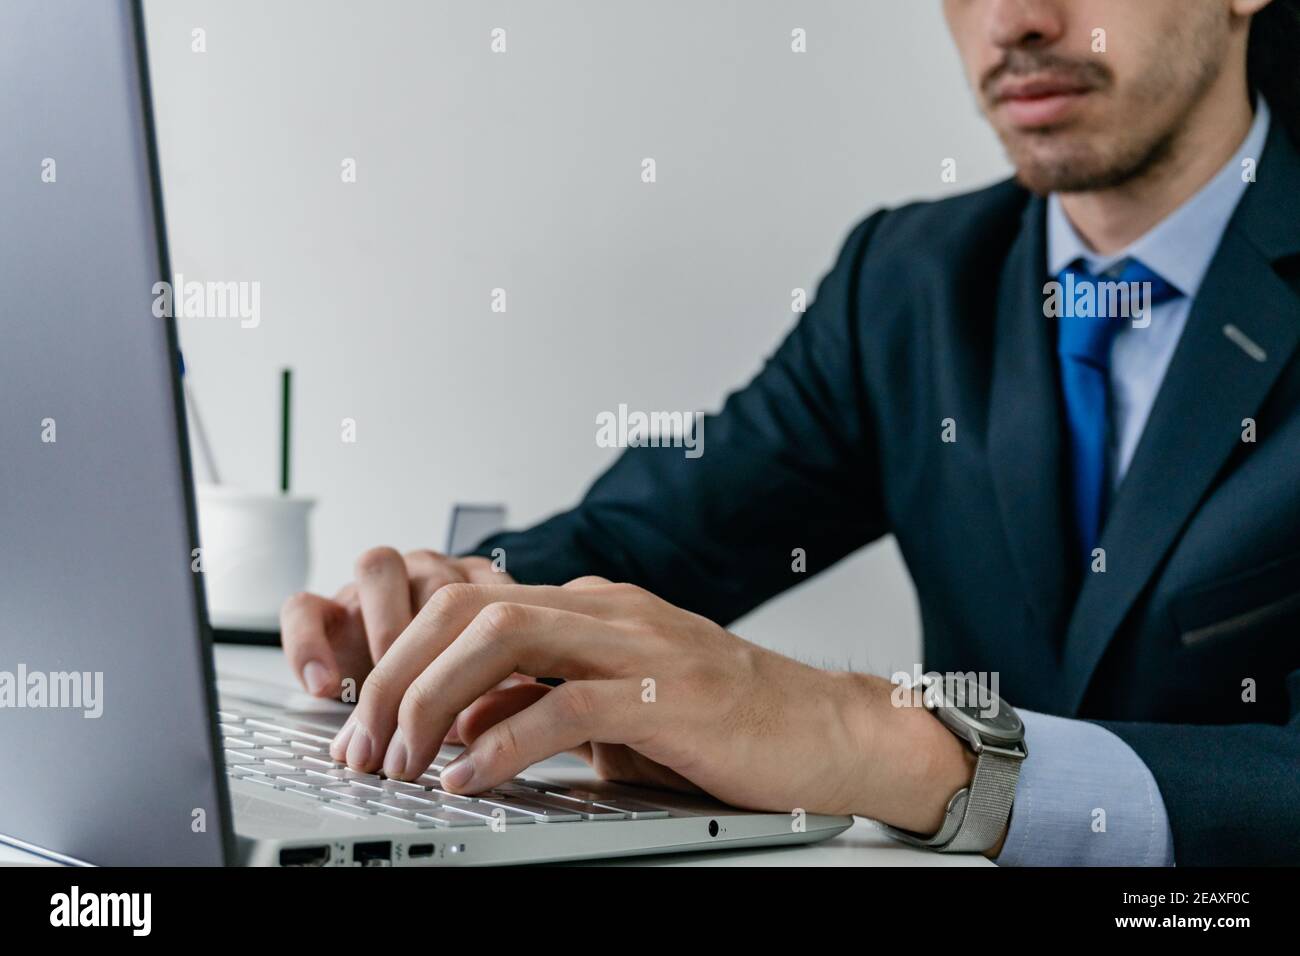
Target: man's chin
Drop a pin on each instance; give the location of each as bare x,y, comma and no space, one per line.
1064,168
1075,161
1043,179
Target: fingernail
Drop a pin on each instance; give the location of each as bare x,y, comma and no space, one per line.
359,748
316,676
458,773
395,759
339,746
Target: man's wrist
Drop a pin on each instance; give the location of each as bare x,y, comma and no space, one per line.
912,764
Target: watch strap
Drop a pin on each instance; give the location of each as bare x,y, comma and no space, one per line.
976,815
987,805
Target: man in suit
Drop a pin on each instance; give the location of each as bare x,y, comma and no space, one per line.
1098,502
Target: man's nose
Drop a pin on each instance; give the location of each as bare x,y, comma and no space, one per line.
1026,24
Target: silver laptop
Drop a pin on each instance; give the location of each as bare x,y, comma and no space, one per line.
119,744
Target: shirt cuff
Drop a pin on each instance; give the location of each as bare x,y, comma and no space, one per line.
1084,798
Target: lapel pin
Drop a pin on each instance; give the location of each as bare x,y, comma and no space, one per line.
1244,342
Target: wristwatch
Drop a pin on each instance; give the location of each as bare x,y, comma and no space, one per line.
977,815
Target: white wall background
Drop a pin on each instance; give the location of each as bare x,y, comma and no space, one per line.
478,170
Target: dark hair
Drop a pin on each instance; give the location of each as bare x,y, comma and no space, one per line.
1273,63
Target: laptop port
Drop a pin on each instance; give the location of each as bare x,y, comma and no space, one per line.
417,850
379,853
304,856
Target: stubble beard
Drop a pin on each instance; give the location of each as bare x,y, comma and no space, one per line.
1131,150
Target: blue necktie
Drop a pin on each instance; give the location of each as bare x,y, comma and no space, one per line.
1084,336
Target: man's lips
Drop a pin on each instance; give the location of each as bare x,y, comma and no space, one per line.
1038,101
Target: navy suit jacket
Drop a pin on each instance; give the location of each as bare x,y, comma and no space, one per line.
1187,647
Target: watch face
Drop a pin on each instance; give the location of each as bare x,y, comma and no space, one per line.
1004,723
973,704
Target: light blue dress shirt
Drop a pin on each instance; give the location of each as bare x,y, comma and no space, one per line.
1084,797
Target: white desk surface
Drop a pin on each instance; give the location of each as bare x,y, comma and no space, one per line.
861,845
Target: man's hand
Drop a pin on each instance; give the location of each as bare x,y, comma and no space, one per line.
654,694
330,641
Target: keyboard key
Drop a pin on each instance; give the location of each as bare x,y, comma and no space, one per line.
446,796
268,738
293,780
514,812
345,810
588,811
634,809
298,783
420,800
598,814
424,798
410,819
424,782
339,775
325,761
390,801
258,750
301,764
445,818
352,791
281,728
288,763
309,793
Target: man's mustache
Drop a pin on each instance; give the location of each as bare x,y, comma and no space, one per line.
1022,63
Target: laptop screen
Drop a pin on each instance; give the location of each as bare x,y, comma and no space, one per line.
107,731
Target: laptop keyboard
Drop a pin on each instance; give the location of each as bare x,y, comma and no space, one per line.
291,756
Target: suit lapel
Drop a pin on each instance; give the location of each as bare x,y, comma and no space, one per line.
1214,381
1025,426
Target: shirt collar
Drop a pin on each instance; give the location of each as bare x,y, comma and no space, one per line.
1180,248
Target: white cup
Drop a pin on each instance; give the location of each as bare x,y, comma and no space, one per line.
255,551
